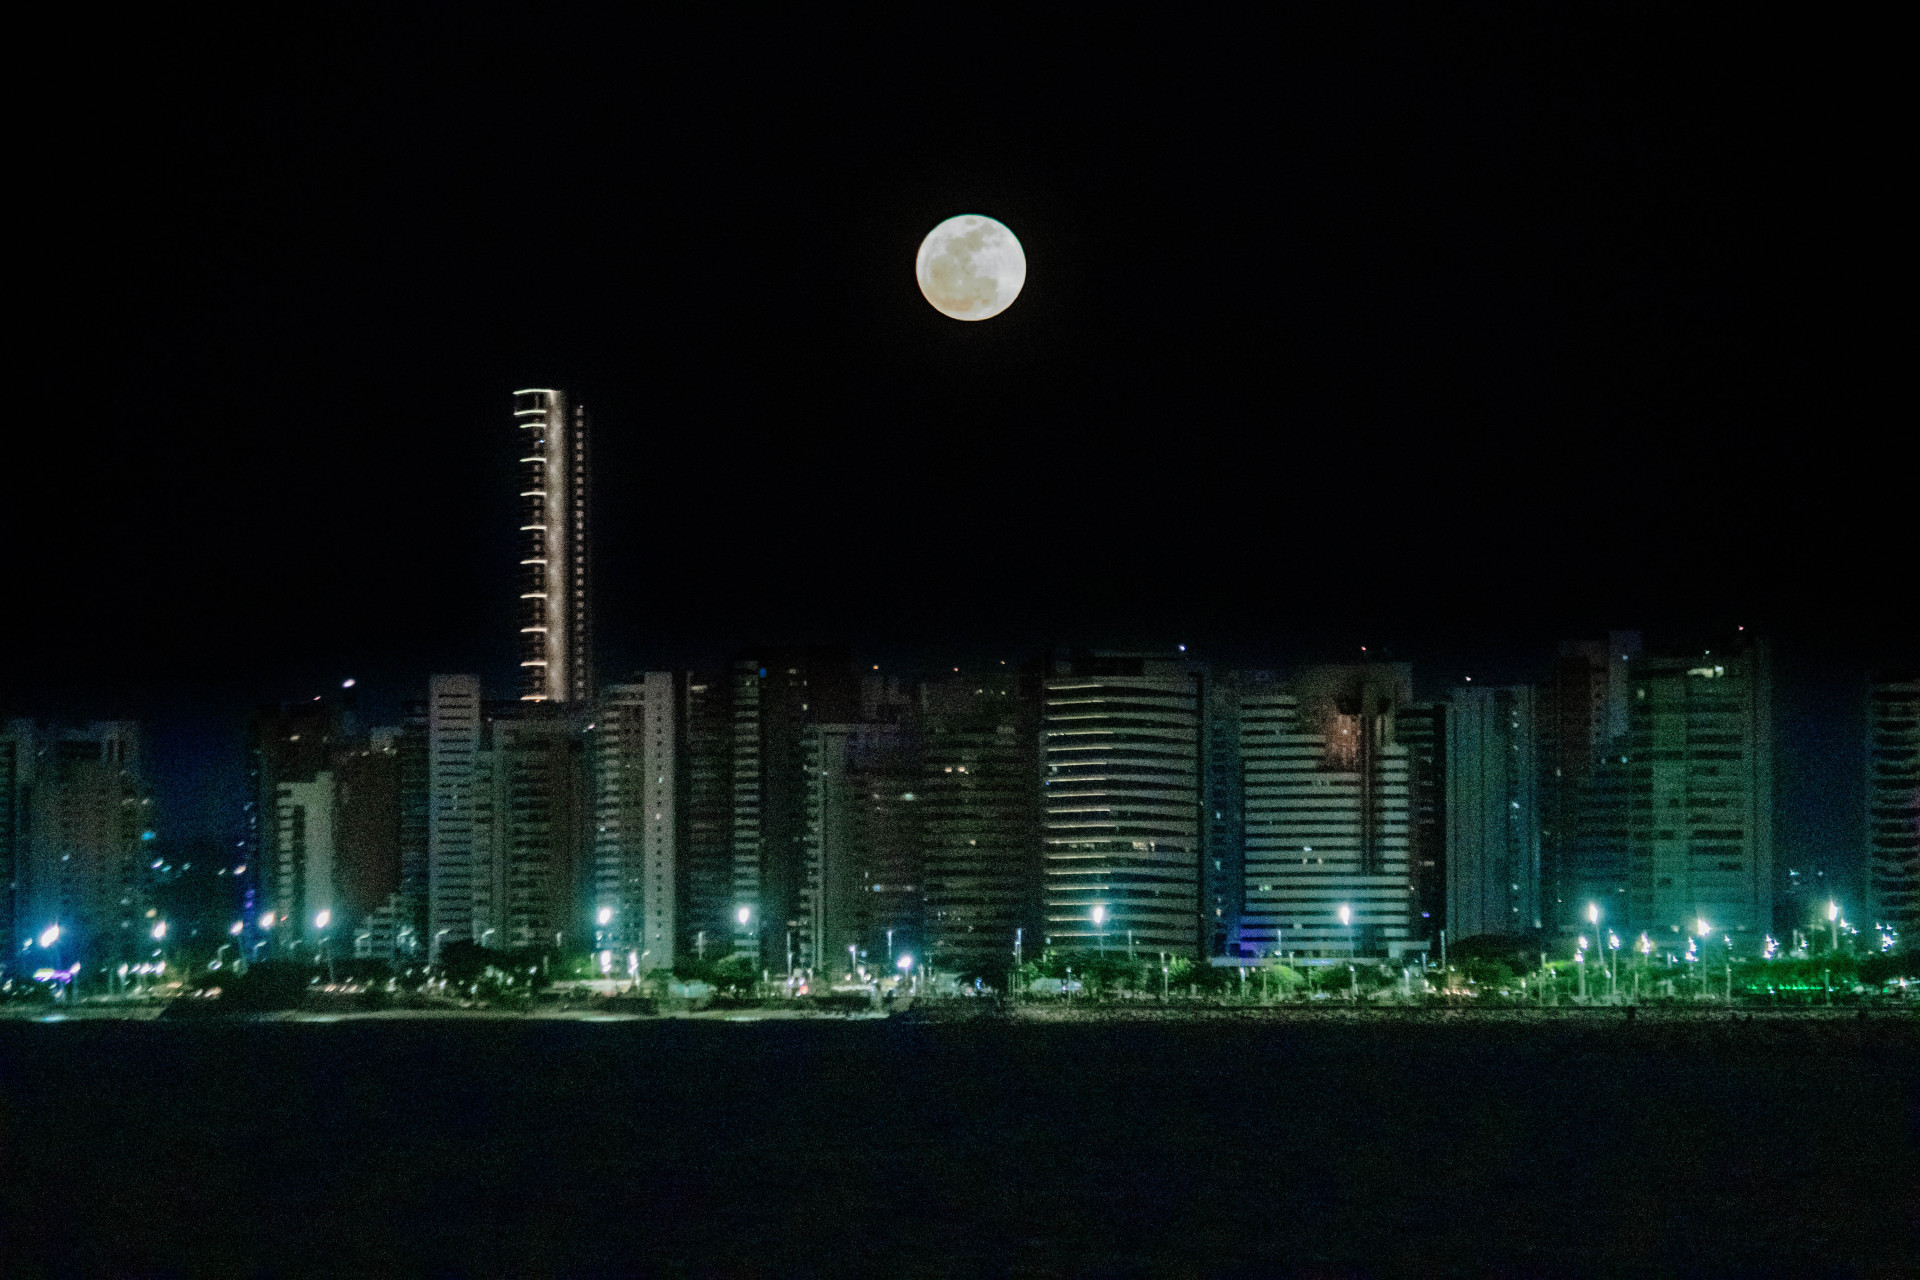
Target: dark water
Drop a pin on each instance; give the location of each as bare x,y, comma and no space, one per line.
830,1149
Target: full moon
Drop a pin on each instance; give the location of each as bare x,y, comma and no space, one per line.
971,267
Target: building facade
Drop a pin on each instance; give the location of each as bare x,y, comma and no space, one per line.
1492,813
1223,853
555,617
1893,805
1328,815
1121,803
979,822
638,785
704,906
1422,729
1699,774
303,875
77,814
862,907
774,695
1583,710
458,893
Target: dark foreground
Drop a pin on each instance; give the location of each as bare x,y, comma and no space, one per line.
837,1148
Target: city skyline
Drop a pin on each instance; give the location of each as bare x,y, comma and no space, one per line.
1435,382
567,710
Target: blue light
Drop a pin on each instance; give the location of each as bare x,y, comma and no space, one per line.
146,835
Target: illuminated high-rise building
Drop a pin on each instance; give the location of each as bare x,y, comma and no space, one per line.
774,694
1893,806
555,617
458,899
1422,728
863,893
1121,802
1328,814
635,752
1491,812
980,822
78,817
1699,786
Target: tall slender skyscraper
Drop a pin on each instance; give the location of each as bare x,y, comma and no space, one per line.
1893,804
980,821
775,694
638,788
1491,812
555,618
1582,712
453,747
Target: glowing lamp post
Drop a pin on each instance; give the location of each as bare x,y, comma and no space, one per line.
1580,966
1100,924
321,920
1613,968
905,965
1353,980
1833,925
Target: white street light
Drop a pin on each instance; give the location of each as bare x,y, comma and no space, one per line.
160,930
236,928
904,962
323,919
266,920
50,935
743,914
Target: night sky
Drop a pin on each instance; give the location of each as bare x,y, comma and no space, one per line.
1453,338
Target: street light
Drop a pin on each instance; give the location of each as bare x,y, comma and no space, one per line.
605,917
50,935
322,919
1833,924
160,931
1613,966
1100,923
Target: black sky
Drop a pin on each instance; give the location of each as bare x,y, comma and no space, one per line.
1453,334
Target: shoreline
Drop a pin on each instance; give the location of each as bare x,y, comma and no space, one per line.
961,1013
